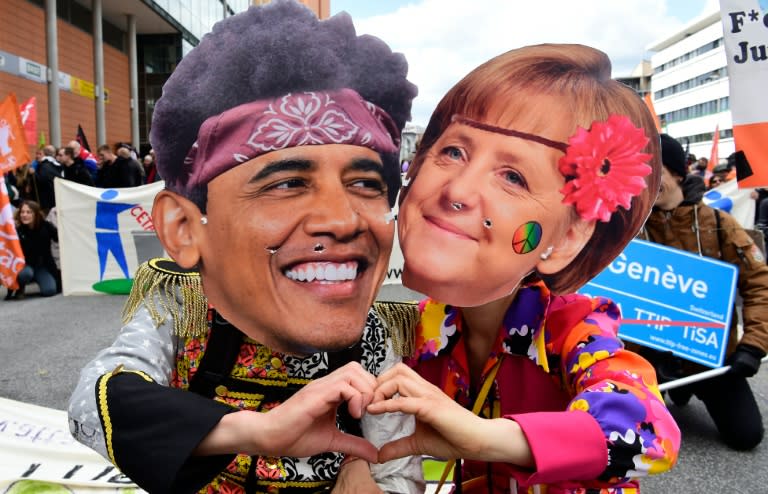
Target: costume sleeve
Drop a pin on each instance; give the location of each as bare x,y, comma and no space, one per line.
739,249
616,426
123,408
403,475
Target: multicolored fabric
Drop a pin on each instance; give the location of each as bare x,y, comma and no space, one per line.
295,119
580,365
273,373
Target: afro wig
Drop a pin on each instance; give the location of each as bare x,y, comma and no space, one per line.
267,52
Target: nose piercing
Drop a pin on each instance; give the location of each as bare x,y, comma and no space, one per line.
487,223
203,220
457,206
545,255
319,247
271,250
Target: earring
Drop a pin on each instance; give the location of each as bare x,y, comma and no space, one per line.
319,247
487,223
203,220
457,206
545,255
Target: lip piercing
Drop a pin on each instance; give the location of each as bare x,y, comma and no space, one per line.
487,223
457,206
203,220
319,247
545,255
271,250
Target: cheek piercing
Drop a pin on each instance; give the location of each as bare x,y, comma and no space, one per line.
319,247
487,223
272,250
545,255
457,206
203,220
390,216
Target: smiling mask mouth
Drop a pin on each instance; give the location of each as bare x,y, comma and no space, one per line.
325,271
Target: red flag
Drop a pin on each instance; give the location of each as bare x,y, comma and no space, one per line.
28,113
649,104
713,159
11,255
13,142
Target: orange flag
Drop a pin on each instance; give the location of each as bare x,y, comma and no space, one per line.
13,143
11,255
713,159
649,104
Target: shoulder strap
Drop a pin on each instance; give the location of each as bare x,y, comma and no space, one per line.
718,229
221,351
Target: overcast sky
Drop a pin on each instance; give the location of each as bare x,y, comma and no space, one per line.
445,39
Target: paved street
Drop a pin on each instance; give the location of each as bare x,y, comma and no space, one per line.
44,343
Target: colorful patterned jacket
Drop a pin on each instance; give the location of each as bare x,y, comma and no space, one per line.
132,403
590,409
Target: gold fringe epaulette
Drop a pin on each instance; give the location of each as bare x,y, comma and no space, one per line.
401,319
156,284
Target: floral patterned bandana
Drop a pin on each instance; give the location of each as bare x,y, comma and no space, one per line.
295,119
604,166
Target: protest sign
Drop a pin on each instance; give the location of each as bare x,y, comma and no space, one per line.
671,300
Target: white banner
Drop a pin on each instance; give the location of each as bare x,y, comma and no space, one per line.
737,202
38,454
104,234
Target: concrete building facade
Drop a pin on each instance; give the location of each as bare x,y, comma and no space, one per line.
690,87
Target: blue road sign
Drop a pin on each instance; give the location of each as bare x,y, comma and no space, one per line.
671,300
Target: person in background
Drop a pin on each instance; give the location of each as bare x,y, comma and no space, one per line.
48,169
150,171
115,171
133,174
38,156
714,181
533,174
73,167
85,157
36,236
681,220
246,365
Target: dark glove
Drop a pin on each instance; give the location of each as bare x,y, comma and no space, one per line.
745,360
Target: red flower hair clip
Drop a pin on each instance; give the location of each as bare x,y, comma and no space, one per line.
604,167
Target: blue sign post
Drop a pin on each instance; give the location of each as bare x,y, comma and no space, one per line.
671,300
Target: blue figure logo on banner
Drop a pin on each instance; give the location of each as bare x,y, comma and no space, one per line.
108,232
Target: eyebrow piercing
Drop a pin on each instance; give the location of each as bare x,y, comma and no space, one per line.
319,247
487,223
203,220
457,206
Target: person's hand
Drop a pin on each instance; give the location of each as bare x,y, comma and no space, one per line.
444,428
745,360
304,425
355,477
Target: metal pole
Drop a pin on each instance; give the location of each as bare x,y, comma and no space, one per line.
98,73
134,81
698,377
52,76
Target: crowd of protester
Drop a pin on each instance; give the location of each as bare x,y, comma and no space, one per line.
31,192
